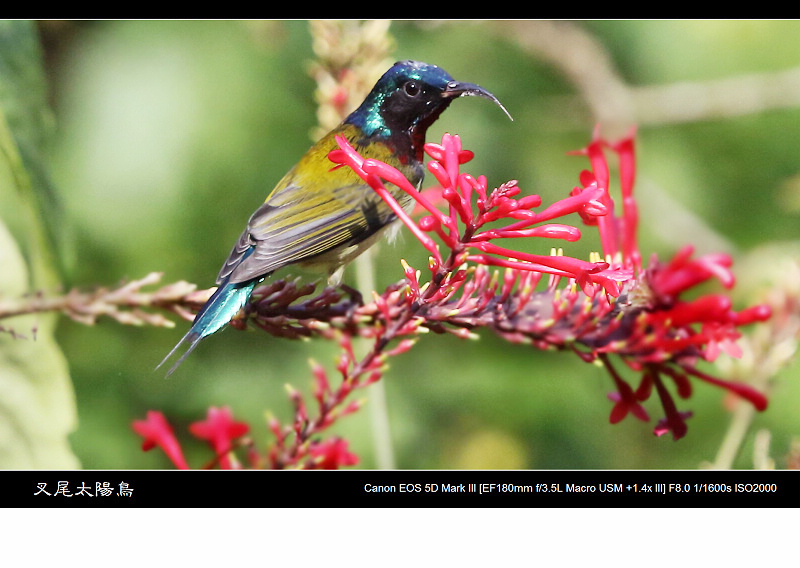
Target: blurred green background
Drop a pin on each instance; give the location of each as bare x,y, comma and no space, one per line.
166,135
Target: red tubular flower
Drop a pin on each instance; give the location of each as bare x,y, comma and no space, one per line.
625,398
683,273
369,170
220,430
332,454
157,432
457,189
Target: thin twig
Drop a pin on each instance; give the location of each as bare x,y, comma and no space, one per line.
127,304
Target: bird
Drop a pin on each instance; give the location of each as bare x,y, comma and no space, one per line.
321,217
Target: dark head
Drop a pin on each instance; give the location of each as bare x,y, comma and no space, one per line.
408,99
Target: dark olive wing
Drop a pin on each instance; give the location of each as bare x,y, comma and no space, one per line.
293,226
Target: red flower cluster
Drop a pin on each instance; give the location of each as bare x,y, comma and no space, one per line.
661,335
225,436
609,307
606,307
457,190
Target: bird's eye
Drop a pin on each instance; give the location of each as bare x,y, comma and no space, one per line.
411,88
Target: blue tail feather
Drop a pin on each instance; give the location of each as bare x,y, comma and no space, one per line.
220,309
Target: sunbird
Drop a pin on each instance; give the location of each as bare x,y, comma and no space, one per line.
323,217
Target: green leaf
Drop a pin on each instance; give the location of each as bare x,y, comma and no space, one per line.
37,402
33,214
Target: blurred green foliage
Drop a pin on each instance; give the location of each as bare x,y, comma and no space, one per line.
169,134
37,404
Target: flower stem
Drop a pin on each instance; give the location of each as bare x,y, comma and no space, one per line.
734,437
378,409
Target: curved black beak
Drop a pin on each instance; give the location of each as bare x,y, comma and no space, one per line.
456,89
